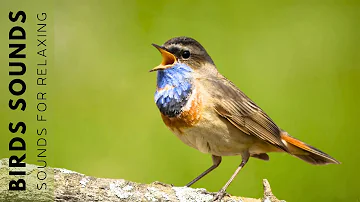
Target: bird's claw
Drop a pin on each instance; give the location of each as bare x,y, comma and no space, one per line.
219,195
163,184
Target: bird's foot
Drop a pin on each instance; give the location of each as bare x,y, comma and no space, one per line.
219,195
163,184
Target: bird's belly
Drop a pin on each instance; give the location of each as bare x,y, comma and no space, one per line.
215,135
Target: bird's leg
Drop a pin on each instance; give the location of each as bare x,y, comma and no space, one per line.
221,193
216,162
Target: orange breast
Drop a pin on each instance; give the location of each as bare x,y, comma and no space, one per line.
187,118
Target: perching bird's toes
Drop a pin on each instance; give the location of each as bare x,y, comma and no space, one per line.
219,195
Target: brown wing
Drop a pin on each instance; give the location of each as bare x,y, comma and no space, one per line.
243,113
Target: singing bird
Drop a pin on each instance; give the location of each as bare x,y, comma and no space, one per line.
209,113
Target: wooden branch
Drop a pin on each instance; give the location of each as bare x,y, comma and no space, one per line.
65,185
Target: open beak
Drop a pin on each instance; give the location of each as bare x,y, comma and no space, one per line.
168,59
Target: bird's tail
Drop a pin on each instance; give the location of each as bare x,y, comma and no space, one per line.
306,152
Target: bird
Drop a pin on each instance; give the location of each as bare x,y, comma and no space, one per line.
206,111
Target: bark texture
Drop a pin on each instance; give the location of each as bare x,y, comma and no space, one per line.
65,185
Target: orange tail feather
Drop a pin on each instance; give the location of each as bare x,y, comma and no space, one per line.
306,152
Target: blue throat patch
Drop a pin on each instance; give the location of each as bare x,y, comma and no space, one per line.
174,87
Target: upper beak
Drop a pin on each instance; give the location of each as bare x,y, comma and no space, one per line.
168,59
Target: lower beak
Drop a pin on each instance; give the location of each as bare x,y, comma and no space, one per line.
168,59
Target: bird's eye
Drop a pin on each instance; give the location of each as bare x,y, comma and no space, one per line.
185,54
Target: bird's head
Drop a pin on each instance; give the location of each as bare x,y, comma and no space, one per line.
184,50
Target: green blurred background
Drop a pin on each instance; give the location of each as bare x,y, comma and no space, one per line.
299,61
